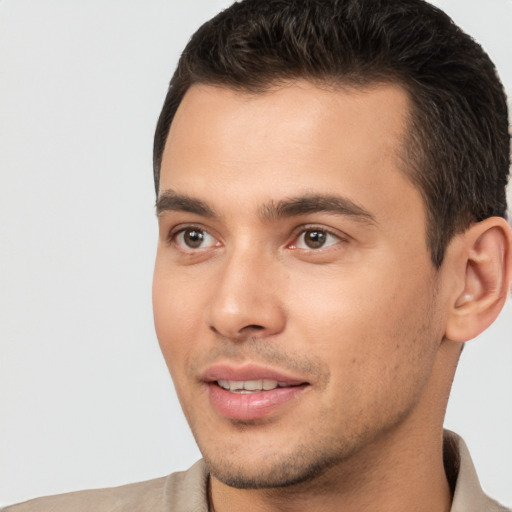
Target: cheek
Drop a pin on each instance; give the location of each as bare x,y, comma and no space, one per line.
177,316
370,328
176,320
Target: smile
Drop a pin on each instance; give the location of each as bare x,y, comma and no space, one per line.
251,391
251,386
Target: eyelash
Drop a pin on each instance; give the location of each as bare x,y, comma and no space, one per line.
176,232
311,228
300,231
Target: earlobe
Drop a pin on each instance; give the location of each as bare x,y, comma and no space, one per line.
485,263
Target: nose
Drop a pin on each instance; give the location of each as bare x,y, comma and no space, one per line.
246,301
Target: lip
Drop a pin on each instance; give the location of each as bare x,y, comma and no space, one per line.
254,405
248,372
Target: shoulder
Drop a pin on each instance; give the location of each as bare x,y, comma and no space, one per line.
176,492
468,495
139,496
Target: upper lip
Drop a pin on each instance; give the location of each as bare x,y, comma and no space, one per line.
248,372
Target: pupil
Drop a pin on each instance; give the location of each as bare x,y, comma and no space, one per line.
315,239
194,238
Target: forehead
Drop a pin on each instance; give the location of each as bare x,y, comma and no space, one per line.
298,111
291,140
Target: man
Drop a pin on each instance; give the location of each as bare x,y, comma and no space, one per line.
330,182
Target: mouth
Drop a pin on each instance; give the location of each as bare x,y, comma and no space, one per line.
251,392
252,386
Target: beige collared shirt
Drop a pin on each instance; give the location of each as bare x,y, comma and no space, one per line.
186,491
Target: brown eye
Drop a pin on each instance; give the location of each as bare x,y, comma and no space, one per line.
315,239
195,238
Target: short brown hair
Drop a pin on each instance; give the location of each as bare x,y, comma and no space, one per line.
457,151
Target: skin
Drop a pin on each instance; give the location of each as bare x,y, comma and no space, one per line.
361,319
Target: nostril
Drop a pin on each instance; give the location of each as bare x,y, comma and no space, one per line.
244,331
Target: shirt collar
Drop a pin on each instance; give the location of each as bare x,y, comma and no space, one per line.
468,495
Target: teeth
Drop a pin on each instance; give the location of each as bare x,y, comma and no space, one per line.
269,384
236,385
249,385
252,385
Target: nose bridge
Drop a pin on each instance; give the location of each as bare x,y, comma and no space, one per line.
246,299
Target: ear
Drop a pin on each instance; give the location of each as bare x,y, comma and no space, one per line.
484,263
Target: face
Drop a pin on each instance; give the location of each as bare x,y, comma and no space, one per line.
293,291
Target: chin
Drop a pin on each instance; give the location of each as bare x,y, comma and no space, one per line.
255,473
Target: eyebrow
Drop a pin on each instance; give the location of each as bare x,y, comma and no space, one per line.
316,203
172,201
169,200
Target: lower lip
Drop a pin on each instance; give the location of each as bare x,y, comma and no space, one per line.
251,406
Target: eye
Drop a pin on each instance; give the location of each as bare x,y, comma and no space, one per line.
315,239
194,238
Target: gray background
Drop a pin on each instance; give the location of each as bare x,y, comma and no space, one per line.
85,399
